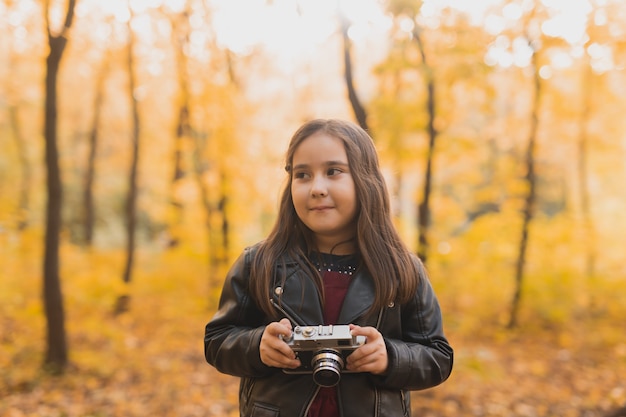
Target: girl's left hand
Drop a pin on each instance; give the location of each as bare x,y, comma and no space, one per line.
372,356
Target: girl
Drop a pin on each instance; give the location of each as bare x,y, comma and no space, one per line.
332,258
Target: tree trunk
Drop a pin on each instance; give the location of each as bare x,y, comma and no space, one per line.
123,302
225,226
56,340
424,206
529,205
26,173
359,111
199,169
88,200
183,124
182,132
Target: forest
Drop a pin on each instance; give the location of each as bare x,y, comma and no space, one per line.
143,149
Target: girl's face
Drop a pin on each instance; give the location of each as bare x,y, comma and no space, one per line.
323,191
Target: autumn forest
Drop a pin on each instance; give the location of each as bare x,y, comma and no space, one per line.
142,149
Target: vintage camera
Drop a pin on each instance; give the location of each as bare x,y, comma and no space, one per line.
322,350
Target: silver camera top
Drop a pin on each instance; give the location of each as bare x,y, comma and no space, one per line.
323,331
335,336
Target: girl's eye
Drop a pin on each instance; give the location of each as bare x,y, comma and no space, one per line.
300,175
334,171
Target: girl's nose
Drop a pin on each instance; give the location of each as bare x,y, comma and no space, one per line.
319,187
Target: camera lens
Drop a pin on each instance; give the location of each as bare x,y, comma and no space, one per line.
327,365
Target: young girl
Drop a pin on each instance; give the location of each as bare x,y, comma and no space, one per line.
332,258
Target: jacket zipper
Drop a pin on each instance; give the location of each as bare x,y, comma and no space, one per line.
308,406
377,394
376,402
380,318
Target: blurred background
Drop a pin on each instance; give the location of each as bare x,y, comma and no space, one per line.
142,149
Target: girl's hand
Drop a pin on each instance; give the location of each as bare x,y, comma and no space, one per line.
372,356
274,350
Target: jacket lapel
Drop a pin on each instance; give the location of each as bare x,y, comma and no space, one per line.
359,298
298,296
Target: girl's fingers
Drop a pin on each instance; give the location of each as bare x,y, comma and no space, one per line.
273,349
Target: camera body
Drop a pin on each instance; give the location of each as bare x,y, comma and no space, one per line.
323,350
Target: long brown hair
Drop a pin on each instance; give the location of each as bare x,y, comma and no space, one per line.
394,270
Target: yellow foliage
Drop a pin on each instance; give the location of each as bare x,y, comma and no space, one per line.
567,358
149,360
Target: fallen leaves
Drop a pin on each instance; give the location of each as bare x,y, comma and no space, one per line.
531,377
149,361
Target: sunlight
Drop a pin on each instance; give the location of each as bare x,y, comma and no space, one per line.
505,53
289,28
117,9
16,20
601,57
291,31
476,10
567,20
233,27
364,16
569,25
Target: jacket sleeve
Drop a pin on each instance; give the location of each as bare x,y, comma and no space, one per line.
233,335
423,358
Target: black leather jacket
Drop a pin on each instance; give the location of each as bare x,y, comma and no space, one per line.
419,354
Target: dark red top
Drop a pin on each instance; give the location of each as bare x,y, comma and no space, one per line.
336,284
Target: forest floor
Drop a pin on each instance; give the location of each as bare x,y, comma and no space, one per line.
149,361
131,367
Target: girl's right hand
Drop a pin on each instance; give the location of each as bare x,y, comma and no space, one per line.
274,350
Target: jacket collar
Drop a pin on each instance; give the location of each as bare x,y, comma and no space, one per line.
308,310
